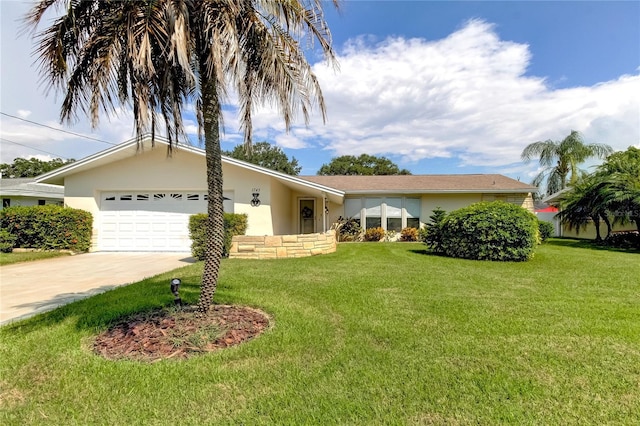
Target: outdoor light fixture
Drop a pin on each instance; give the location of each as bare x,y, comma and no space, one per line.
175,286
256,201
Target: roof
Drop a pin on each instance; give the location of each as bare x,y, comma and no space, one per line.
131,147
332,187
556,197
27,187
485,183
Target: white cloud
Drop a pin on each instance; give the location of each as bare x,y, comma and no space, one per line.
466,96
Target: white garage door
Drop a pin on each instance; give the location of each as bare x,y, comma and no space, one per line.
149,220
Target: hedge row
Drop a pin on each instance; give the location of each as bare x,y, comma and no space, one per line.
48,227
234,224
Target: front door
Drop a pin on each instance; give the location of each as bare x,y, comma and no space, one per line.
307,215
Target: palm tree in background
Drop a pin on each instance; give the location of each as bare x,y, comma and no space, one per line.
158,56
560,160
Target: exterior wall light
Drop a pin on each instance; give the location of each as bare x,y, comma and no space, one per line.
255,192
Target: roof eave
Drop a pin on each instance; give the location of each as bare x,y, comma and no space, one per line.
439,191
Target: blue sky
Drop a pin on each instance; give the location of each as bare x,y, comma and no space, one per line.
438,87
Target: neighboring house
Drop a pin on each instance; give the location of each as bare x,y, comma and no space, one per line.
585,232
141,197
26,192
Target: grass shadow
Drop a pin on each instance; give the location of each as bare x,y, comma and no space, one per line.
587,244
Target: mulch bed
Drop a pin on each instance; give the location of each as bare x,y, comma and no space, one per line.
180,333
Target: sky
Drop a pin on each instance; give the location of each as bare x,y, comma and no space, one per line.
438,87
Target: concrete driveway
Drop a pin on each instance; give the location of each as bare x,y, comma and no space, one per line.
30,288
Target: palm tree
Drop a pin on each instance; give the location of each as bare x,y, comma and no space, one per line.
586,201
158,56
559,159
619,176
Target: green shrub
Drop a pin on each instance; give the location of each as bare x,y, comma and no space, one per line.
431,234
623,239
48,227
409,234
234,224
374,234
7,241
348,229
490,231
546,230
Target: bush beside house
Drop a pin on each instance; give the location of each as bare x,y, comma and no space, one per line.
485,231
234,224
48,227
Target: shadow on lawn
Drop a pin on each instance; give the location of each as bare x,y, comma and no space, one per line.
102,307
587,244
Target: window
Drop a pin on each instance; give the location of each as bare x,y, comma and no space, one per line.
142,197
373,212
41,202
6,202
394,214
353,209
193,197
126,197
412,207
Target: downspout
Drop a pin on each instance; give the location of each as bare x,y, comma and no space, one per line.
324,212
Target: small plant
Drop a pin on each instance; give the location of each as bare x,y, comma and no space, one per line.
409,234
374,234
347,229
546,230
432,233
391,236
7,241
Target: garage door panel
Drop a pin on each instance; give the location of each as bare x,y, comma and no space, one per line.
147,221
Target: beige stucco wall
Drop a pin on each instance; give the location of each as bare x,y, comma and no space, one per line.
151,169
590,231
30,201
281,212
447,202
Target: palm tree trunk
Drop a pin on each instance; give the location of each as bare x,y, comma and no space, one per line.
606,220
215,220
596,224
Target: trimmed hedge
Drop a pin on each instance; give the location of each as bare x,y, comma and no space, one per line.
7,241
48,227
490,231
546,230
234,224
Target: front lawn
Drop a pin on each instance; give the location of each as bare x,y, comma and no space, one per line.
29,256
376,333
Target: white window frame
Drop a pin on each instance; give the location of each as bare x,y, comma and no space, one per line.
383,209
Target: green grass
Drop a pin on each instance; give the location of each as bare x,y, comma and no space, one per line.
373,334
15,257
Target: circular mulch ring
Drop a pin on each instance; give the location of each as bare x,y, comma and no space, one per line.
180,333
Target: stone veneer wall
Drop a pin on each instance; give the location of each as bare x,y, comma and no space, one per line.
282,246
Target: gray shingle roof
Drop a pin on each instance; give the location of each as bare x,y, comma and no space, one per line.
26,187
423,183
